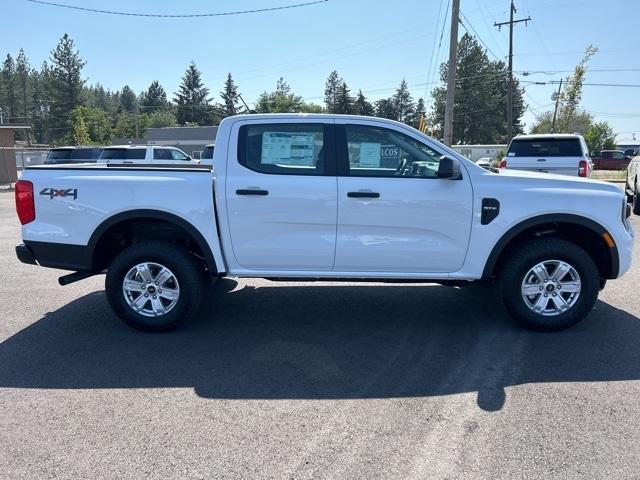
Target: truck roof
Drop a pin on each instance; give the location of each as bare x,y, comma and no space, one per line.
546,135
311,116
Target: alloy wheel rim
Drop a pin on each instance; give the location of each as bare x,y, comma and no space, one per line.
151,289
551,288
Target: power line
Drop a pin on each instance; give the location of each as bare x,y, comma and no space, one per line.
554,72
555,82
433,73
192,15
433,49
476,35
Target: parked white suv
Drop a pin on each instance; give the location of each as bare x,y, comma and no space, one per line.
564,154
144,154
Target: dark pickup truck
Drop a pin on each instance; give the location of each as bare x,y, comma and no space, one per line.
610,160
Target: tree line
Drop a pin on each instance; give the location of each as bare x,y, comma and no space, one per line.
62,108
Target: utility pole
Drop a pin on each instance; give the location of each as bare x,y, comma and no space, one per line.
555,111
451,74
511,22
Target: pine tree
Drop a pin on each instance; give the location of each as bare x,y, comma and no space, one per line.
128,100
404,104
420,112
343,101
155,98
8,102
192,97
385,108
66,86
41,82
331,88
361,106
480,97
22,85
230,97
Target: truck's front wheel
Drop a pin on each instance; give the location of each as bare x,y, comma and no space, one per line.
549,284
154,286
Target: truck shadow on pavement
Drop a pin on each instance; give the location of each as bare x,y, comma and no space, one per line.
323,342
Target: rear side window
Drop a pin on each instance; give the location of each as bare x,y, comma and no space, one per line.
85,153
123,154
295,149
59,155
545,147
207,153
162,154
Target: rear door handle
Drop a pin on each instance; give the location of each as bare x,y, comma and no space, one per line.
363,195
252,191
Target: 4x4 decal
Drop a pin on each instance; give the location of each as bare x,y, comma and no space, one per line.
60,192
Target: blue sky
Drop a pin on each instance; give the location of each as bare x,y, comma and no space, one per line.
372,44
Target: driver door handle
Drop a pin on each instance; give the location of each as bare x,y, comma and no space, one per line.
252,191
363,195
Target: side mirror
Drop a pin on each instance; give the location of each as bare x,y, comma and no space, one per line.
627,157
449,168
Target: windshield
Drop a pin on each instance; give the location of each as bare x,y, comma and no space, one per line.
545,147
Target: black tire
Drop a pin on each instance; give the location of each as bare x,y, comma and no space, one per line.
529,254
185,269
636,200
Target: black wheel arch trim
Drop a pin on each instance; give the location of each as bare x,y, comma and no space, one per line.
514,231
156,215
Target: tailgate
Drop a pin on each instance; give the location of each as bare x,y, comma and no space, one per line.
559,165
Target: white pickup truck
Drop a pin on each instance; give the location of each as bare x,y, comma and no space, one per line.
325,197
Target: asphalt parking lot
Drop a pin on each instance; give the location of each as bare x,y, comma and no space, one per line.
304,380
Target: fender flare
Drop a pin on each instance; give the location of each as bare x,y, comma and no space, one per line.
514,231
156,215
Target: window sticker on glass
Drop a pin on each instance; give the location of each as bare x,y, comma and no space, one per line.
287,148
370,154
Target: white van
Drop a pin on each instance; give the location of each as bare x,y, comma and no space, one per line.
145,154
564,154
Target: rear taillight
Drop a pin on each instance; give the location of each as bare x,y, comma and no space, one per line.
503,163
583,169
24,202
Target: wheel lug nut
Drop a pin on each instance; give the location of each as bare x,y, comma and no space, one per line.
541,288
146,294
157,282
154,296
546,294
553,295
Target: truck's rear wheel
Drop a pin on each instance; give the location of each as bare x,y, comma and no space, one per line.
549,284
154,286
636,199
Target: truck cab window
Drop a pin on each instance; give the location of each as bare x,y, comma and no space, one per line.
294,149
380,152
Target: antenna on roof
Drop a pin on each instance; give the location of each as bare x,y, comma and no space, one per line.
245,105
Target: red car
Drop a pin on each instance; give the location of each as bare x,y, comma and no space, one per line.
611,160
